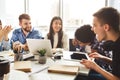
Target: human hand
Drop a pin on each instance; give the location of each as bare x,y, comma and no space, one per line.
7,30
15,44
1,34
96,55
88,64
17,47
25,47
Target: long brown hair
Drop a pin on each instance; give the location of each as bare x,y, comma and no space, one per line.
51,33
0,22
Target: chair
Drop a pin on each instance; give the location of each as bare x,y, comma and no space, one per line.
71,46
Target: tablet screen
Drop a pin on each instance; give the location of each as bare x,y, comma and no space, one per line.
78,56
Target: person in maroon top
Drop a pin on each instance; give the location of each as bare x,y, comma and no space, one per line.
106,23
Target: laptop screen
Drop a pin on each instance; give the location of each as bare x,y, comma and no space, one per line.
37,44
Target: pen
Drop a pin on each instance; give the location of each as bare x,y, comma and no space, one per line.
39,70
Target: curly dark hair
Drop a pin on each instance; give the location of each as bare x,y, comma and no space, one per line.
84,34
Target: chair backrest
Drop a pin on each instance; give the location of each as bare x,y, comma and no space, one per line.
71,46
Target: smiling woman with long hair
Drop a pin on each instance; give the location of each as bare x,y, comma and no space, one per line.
56,35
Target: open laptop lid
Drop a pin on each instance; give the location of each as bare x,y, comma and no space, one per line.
68,55
37,44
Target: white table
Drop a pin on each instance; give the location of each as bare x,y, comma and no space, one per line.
16,75
40,71
45,75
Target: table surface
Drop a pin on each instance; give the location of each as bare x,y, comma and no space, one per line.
40,71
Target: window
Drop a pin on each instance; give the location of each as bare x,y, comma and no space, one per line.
13,8
115,4
79,12
9,12
73,12
41,12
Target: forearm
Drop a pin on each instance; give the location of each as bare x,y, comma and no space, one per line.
6,38
1,38
92,65
100,57
106,74
6,45
107,59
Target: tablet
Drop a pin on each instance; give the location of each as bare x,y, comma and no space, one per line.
78,56
75,56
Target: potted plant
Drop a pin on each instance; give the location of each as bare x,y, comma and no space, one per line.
42,57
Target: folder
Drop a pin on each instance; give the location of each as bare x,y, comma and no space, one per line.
63,69
23,66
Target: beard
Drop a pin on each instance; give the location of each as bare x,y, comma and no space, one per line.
27,29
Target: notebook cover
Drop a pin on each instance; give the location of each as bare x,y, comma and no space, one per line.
23,66
64,69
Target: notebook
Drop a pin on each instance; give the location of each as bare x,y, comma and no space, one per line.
37,44
63,69
82,70
23,66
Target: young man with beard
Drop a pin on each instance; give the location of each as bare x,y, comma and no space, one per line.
20,35
106,23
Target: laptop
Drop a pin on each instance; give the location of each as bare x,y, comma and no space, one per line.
37,44
75,56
